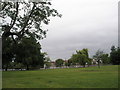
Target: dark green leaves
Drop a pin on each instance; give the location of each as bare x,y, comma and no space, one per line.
23,16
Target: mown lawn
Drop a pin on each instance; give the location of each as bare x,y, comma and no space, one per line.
89,77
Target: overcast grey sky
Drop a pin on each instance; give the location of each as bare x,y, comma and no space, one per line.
91,24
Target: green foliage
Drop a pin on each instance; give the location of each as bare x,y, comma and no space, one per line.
115,55
80,57
102,57
28,53
113,48
24,27
98,54
66,64
47,62
98,57
7,52
105,59
69,62
59,62
24,17
15,65
89,62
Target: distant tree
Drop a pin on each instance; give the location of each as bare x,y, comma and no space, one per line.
89,62
66,64
12,65
69,62
80,57
105,59
118,59
115,55
47,62
59,62
18,66
83,56
74,59
113,49
98,56
15,65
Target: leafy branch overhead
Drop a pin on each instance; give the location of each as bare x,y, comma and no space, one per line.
21,18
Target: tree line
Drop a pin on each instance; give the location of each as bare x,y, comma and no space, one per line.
81,57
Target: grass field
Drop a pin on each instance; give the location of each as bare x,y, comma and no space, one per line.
89,77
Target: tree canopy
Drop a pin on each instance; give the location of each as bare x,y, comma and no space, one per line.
7,53
105,59
81,57
98,56
115,55
28,52
59,62
20,18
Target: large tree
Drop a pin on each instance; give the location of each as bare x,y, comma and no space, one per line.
47,61
115,55
20,20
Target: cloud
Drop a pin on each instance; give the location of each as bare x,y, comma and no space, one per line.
88,24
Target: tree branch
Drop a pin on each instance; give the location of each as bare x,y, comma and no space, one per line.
13,39
4,6
15,15
26,22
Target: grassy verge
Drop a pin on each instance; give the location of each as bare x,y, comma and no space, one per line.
90,77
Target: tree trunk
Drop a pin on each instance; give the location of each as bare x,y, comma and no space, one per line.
84,65
98,64
6,69
27,67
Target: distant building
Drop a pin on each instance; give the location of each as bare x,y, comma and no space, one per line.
95,61
52,64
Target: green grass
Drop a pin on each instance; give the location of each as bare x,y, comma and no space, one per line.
0,79
90,77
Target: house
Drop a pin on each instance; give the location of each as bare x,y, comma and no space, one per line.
95,61
53,65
